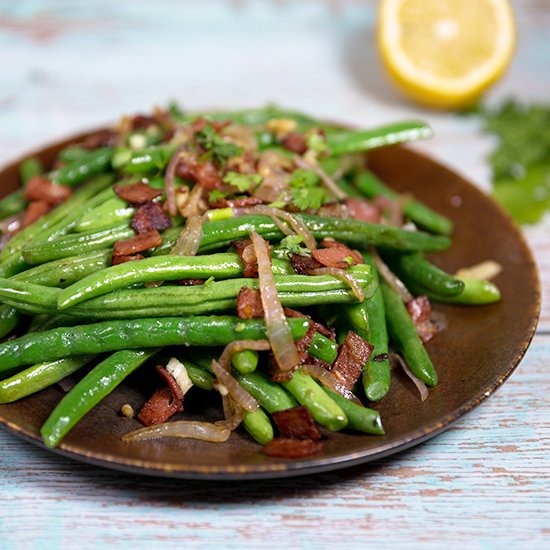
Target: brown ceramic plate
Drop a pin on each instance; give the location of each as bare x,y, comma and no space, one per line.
474,356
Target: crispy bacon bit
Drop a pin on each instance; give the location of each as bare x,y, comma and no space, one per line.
236,203
335,254
139,243
35,210
249,304
352,356
296,423
141,122
420,311
246,252
361,209
285,447
164,403
189,282
39,188
295,142
122,259
381,357
150,216
106,138
304,264
244,163
205,173
302,345
137,193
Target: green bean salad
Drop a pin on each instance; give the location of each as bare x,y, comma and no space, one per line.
251,254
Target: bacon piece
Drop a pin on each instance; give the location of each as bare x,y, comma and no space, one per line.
164,403
141,122
352,356
336,254
246,252
296,423
137,193
304,264
35,210
205,173
285,447
122,259
249,304
106,138
39,188
420,311
139,243
235,203
361,209
295,142
150,216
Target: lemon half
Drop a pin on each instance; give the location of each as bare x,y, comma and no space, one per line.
444,53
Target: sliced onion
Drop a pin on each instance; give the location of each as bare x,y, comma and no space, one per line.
189,241
240,345
354,284
484,270
205,431
236,391
278,330
192,206
169,182
422,388
330,381
276,214
392,279
328,182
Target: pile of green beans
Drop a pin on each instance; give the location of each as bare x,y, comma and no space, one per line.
65,310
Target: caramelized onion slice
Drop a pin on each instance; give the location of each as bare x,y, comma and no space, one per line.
422,388
390,277
328,182
356,288
189,241
235,390
330,381
169,182
278,331
205,431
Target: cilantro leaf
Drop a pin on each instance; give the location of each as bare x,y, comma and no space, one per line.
216,147
243,182
292,244
305,190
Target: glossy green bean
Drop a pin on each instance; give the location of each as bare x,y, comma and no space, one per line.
417,268
361,419
82,169
356,141
477,292
114,210
39,377
370,186
404,334
9,319
89,391
200,377
258,425
139,333
271,396
245,361
12,204
149,160
322,407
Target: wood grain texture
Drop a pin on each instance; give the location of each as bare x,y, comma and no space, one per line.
67,66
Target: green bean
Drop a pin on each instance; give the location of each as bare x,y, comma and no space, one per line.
47,224
477,292
151,159
346,142
82,169
369,321
66,271
200,378
258,425
223,265
361,419
322,407
139,333
370,186
114,210
417,268
94,387
245,361
403,332
271,396
39,377
75,243
12,204
323,348
73,153
9,319
30,168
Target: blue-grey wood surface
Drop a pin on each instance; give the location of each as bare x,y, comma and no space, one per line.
66,66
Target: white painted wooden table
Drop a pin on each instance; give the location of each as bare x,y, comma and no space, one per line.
67,66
